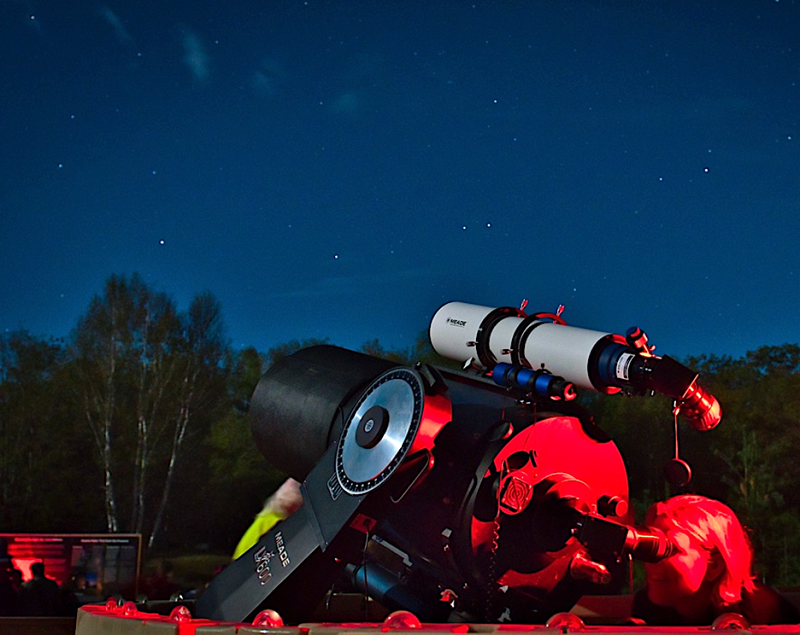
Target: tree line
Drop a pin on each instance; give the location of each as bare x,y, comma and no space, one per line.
137,423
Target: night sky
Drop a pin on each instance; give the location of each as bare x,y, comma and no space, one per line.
342,169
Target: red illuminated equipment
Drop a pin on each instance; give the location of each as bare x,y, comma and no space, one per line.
481,496
127,619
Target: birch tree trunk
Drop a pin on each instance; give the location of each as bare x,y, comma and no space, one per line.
204,354
100,399
158,331
177,442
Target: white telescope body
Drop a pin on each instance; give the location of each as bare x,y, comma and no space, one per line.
456,332
486,336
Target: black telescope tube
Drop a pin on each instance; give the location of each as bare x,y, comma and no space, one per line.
297,408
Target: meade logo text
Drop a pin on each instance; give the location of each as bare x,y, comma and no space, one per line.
262,558
455,322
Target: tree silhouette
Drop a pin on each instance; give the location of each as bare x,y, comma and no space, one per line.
144,371
161,402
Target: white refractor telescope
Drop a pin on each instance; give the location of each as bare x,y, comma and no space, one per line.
541,352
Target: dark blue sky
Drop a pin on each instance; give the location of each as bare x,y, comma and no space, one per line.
341,169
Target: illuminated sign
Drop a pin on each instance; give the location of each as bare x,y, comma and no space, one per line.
92,564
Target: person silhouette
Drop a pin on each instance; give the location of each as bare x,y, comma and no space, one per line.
40,595
9,587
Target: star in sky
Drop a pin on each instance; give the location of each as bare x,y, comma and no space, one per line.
342,170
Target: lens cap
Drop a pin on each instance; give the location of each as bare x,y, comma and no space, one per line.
678,472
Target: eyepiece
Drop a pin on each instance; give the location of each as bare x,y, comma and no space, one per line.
701,409
648,544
